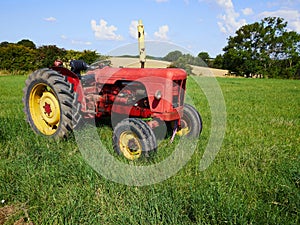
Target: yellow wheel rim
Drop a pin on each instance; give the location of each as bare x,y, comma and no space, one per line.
44,109
130,145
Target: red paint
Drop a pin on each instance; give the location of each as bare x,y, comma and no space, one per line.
47,108
130,91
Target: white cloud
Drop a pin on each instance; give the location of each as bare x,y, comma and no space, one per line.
227,4
75,42
229,21
78,42
247,11
133,29
290,15
159,1
282,3
133,32
162,32
50,19
104,32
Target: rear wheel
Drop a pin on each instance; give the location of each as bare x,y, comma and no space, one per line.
191,122
133,138
50,103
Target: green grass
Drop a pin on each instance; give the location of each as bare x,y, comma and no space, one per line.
254,179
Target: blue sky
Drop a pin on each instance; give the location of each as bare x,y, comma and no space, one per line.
104,26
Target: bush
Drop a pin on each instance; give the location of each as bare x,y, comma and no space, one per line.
24,57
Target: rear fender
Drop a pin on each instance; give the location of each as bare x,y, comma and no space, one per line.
73,79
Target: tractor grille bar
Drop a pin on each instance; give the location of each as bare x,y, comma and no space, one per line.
178,92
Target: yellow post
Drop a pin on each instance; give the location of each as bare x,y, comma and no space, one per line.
141,40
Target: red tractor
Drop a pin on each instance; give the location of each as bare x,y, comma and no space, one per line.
138,100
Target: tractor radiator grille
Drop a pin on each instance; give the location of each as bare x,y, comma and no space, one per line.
178,93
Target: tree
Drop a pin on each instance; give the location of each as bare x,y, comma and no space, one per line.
182,63
204,56
47,54
218,62
72,54
4,44
188,59
185,61
173,56
27,43
87,55
262,48
17,58
90,56
290,49
24,56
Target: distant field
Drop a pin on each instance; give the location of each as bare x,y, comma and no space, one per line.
255,178
134,63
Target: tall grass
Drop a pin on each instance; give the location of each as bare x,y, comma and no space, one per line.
255,178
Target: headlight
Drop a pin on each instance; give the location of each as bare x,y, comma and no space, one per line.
157,95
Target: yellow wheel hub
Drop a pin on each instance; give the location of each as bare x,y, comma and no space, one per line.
130,145
183,131
44,109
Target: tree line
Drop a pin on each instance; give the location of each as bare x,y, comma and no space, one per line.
264,49
184,61
261,49
24,56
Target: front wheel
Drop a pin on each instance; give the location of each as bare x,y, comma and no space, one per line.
191,122
133,138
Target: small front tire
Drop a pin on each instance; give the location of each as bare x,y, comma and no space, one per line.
133,138
191,122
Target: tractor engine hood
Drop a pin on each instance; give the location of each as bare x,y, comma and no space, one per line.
109,75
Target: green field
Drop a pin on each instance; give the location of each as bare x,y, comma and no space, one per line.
254,179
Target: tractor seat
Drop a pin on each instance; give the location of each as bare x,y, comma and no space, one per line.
77,66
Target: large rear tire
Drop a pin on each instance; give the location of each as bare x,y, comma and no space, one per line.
133,138
50,103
